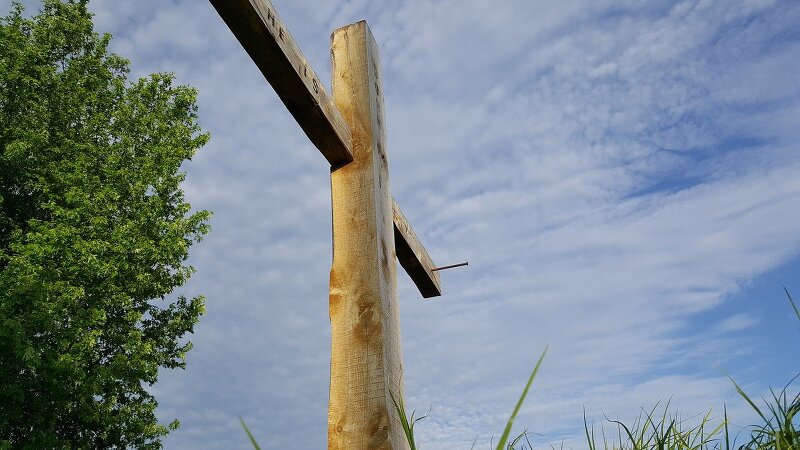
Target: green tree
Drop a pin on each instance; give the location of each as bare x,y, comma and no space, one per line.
94,235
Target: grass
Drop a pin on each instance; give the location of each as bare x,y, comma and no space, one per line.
778,428
664,431
408,424
660,429
249,434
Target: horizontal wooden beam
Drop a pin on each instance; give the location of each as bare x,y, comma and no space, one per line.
264,36
413,256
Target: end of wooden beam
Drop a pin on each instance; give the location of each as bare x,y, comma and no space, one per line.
413,256
259,29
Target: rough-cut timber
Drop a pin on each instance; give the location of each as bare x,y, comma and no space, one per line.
366,355
413,256
264,36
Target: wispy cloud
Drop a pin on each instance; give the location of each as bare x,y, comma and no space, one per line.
610,169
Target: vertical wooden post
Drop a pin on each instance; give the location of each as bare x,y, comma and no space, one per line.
366,355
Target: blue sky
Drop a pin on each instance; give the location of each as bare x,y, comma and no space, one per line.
623,176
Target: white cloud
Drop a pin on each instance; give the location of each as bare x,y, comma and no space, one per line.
610,169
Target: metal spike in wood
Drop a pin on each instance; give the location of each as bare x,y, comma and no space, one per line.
369,229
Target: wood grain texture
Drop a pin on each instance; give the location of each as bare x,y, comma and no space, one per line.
264,36
413,256
366,355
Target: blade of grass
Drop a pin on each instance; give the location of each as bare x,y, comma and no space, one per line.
627,431
514,441
716,430
589,438
727,436
510,423
794,306
249,434
747,398
408,424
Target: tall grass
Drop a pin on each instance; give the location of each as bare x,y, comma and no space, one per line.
662,431
778,428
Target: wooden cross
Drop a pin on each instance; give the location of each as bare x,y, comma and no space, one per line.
369,229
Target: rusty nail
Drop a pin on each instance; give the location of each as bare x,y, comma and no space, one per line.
450,266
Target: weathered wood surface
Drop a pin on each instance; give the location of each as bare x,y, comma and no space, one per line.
366,354
413,256
264,36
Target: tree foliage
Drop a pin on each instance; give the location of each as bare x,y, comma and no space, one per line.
94,235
